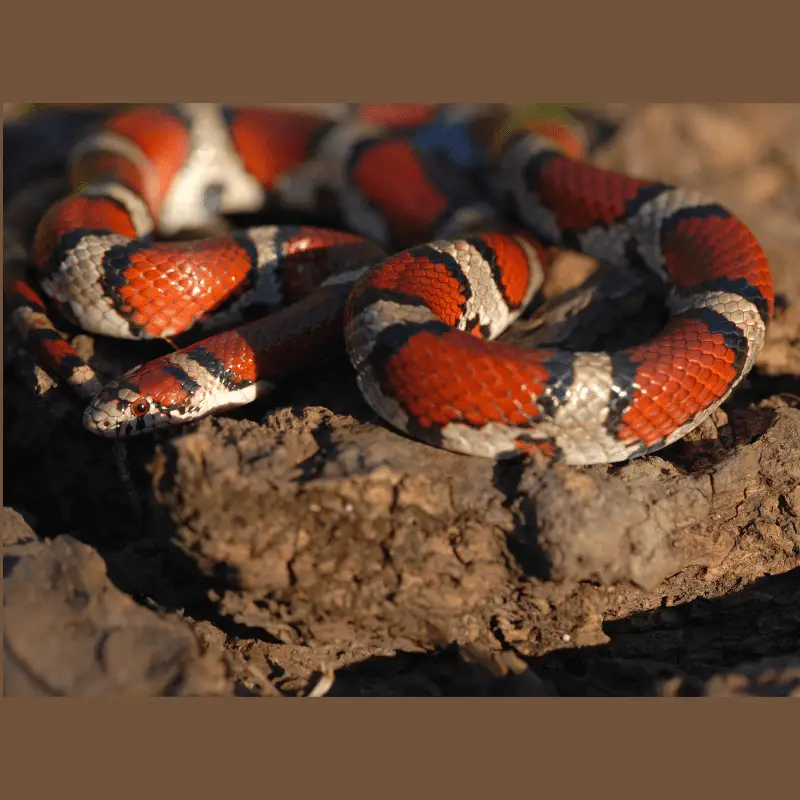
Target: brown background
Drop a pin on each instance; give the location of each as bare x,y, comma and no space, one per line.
252,52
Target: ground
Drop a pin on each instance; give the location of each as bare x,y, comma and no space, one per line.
301,547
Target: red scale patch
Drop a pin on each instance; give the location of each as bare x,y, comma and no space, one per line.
681,372
581,195
232,349
161,136
153,380
72,213
169,287
20,293
57,349
702,249
272,142
419,277
392,178
395,115
314,254
447,378
512,264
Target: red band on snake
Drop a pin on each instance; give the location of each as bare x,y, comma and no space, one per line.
446,227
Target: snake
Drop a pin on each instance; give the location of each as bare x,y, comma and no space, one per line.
442,224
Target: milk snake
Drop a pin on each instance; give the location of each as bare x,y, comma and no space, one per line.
447,218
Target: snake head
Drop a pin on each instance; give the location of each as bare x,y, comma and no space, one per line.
145,398
168,391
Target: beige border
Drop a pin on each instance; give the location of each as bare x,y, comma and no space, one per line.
251,52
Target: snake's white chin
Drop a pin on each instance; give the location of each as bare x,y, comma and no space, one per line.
97,422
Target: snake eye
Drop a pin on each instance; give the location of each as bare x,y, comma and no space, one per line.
140,407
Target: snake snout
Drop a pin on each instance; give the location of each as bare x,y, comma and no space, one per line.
97,420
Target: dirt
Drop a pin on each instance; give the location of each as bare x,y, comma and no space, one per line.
299,546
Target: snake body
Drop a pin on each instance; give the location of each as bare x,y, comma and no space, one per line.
446,224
